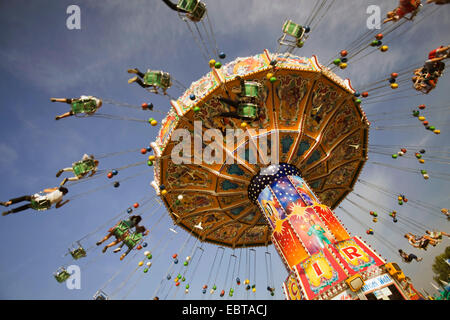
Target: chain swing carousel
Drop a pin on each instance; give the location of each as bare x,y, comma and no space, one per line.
259,151
299,113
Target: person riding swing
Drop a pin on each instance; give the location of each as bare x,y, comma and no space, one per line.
408,257
120,231
436,236
39,201
426,77
80,169
247,105
417,242
85,104
151,80
405,7
132,239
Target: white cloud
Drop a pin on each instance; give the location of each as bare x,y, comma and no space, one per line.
8,155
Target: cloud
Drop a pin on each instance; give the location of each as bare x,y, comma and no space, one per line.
40,53
8,155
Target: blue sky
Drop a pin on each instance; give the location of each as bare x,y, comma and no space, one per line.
40,58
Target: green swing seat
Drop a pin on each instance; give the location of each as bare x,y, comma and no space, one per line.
78,253
82,167
293,29
61,275
122,228
40,204
195,9
251,89
248,110
132,240
158,79
84,106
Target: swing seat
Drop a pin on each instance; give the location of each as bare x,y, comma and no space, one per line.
40,204
251,89
100,295
158,79
132,240
293,29
195,8
78,253
84,106
82,167
248,111
121,229
61,275
291,43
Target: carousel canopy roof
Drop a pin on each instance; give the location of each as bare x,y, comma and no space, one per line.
308,110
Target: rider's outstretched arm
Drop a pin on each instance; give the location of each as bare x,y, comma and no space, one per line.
61,203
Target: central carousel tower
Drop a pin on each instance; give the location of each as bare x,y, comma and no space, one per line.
301,144
324,260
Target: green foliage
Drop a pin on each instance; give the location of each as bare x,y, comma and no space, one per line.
441,267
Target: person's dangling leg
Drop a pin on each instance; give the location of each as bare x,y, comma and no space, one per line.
69,179
136,71
64,170
126,253
18,209
20,199
66,100
229,115
430,239
112,244
65,115
119,248
138,81
105,238
15,200
140,74
229,102
414,257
